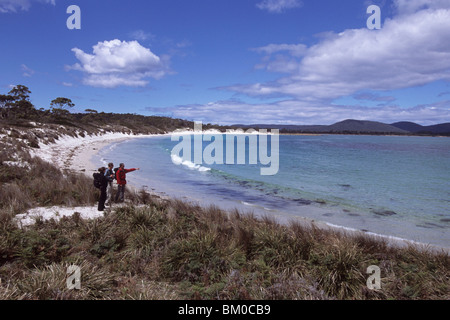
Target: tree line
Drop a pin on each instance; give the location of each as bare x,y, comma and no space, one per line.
17,109
16,104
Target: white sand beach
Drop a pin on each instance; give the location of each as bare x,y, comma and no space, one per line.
75,153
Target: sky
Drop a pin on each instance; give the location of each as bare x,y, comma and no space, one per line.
233,61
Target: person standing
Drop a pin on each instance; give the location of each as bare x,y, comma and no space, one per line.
103,183
110,175
121,181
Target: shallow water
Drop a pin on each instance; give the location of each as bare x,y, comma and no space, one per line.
396,186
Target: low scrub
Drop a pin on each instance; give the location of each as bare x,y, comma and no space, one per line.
175,250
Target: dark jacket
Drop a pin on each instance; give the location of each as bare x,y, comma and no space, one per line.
99,177
108,174
105,182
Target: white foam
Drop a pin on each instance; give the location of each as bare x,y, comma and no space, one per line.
395,239
177,160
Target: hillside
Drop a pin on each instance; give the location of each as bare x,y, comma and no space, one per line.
99,122
408,126
443,128
351,126
364,127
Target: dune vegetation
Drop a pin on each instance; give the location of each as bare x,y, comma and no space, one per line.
168,249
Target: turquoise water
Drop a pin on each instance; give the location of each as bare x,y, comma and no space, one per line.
395,186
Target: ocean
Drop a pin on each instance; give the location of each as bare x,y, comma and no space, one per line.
395,186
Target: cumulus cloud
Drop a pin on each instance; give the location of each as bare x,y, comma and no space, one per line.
119,63
278,6
11,6
410,50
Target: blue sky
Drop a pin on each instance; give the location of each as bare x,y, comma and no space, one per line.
234,61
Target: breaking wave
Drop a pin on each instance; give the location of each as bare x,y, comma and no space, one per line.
189,164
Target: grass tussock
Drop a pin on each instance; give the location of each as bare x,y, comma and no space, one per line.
32,182
175,250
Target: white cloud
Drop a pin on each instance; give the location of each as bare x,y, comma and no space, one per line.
296,50
410,50
373,97
26,72
286,57
278,6
119,63
141,35
19,5
305,113
412,6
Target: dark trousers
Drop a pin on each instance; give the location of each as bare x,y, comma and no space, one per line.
101,201
120,193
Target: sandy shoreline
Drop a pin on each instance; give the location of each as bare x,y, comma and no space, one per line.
75,154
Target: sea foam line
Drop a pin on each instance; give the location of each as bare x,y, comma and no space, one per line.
189,164
394,239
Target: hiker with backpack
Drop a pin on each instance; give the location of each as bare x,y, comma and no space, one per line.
101,182
110,175
121,181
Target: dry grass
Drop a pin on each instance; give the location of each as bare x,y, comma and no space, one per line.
173,250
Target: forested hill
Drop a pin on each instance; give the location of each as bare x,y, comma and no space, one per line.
17,111
360,127
442,128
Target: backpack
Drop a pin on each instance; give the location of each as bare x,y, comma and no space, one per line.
115,172
97,180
